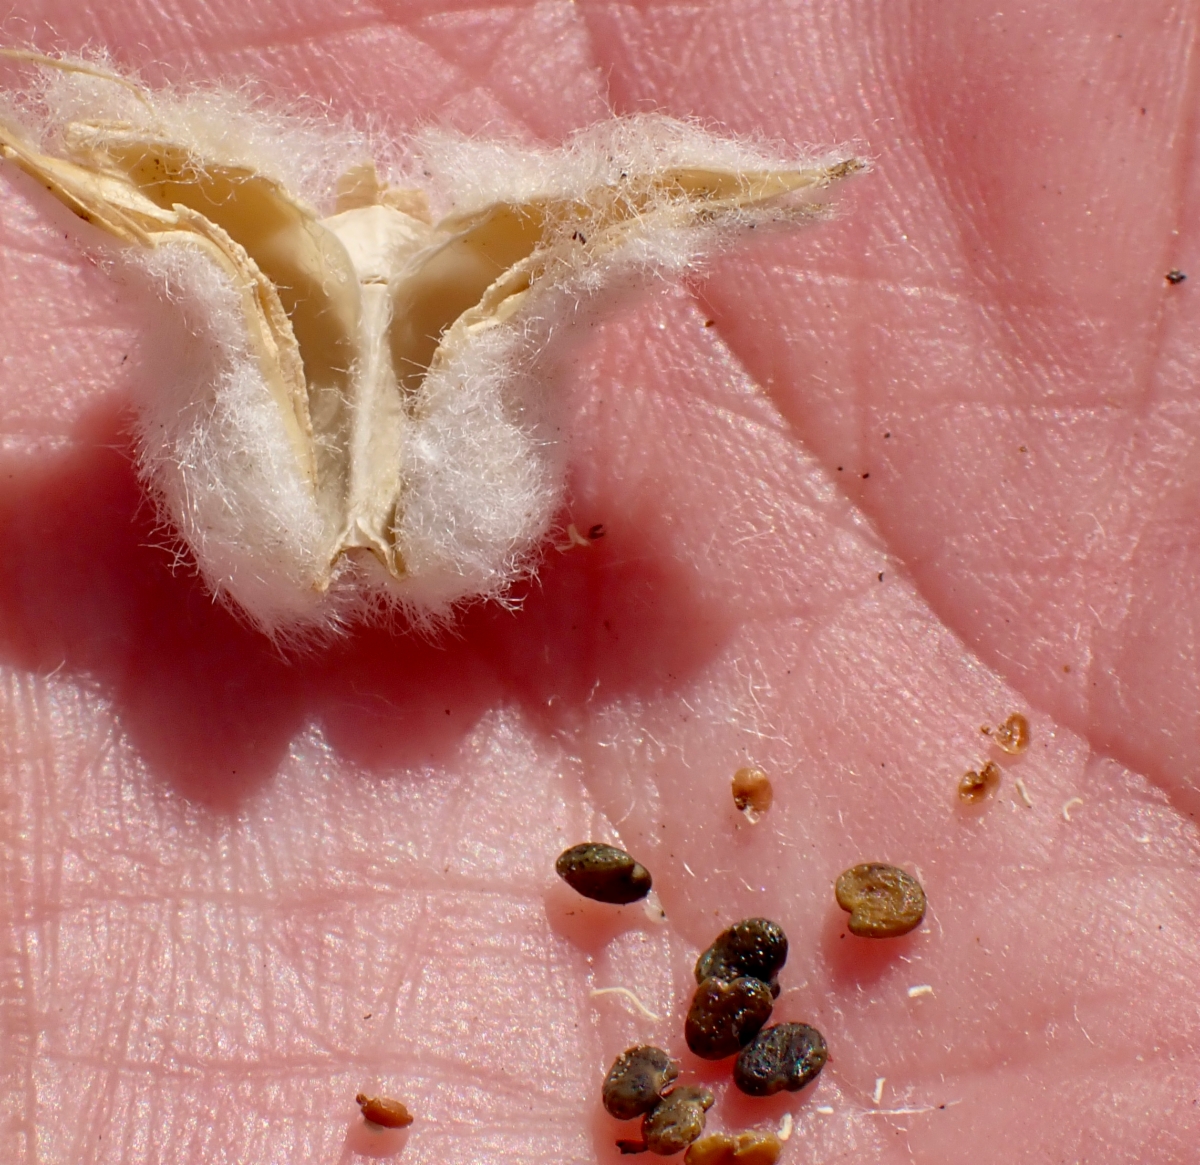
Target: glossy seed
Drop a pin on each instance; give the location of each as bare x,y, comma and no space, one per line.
604,873
635,1082
783,1058
1013,734
380,1110
974,786
755,946
883,901
752,1147
677,1120
752,793
726,1015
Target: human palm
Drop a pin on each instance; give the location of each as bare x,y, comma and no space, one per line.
864,488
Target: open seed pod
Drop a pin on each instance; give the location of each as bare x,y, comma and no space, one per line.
362,423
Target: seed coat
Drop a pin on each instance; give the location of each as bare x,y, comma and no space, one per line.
975,786
383,1111
725,1015
635,1082
753,793
1013,734
785,1057
752,1147
883,901
677,1120
755,946
603,873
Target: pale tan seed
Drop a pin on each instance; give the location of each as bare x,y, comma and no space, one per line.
752,793
975,786
1013,734
752,1147
383,1111
883,901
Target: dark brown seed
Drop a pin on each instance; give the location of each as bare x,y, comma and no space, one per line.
785,1057
629,1147
1013,734
380,1110
752,1147
883,901
677,1120
974,786
726,1015
604,873
755,946
752,793
635,1082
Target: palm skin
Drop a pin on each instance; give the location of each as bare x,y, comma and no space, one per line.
930,463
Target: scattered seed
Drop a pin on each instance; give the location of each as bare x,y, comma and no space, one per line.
756,947
603,872
635,1082
784,1057
382,1111
1013,734
726,1015
883,901
753,1147
752,793
628,1147
975,786
677,1120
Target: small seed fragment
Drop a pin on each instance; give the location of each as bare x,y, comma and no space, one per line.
383,1111
726,1015
883,901
785,1057
635,1082
677,1120
974,786
752,793
603,873
752,1147
1013,734
756,947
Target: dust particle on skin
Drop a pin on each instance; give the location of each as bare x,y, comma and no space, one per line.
1174,276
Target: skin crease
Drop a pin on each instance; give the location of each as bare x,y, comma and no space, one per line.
933,462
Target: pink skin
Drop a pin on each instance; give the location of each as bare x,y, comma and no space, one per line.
238,890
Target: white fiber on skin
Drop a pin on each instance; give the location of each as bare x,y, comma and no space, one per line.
480,477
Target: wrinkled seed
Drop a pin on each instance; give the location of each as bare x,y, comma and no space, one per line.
635,1082
677,1120
974,786
782,1058
1013,734
724,1015
756,947
382,1111
883,901
752,793
752,1147
603,873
